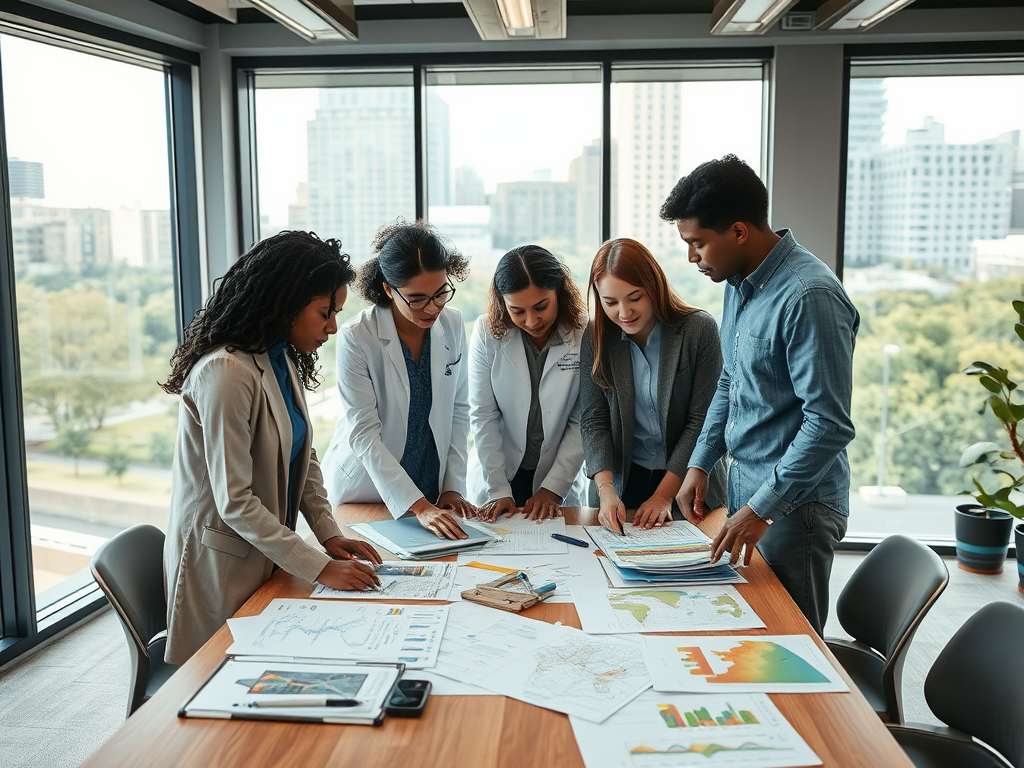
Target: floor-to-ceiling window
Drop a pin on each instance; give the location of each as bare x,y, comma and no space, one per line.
933,256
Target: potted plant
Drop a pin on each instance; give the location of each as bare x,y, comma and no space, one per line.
988,522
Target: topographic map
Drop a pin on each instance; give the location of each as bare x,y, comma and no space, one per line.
664,610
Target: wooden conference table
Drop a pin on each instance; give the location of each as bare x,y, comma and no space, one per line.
470,731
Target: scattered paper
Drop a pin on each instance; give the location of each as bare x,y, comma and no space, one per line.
670,549
445,686
750,664
401,581
551,666
324,629
658,729
617,578
519,536
702,608
576,569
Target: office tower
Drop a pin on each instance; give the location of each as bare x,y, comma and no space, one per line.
648,129
868,105
26,179
534,212
361,167
469,187
585,176
298,212
439,163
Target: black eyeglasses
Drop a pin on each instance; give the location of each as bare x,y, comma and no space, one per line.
440,298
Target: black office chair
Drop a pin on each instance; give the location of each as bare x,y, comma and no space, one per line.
975,686
881,607
130,570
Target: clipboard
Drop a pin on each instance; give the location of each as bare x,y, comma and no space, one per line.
492,595
238,683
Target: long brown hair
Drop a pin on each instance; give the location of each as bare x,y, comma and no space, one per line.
532,265
631,263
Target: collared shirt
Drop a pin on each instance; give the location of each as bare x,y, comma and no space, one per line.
419,460
279,363
535,360
648,443
782,407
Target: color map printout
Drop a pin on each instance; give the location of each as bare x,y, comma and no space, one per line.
753,664
325,629
658,730
699,608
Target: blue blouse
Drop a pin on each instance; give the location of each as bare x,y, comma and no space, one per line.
420,459
279,362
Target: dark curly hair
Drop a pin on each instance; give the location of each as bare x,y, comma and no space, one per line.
717,194
254,305
405,250
532,265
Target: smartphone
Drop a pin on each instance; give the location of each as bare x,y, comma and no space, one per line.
408,698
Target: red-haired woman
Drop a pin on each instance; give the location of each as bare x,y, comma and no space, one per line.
649,366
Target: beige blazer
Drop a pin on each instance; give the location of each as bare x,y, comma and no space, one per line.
226,525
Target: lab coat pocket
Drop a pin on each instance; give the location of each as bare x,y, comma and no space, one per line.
225,542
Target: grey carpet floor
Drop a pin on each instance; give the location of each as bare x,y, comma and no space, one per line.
59,704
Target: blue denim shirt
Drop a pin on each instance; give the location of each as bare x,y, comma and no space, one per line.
648,444
782,407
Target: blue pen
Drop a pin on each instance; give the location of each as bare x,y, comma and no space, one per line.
545,589
569,540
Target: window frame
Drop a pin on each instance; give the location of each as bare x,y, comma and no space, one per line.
25,621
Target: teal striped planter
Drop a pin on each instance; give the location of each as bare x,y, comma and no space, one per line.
981,542
1018,538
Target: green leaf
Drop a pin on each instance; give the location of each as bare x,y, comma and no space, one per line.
1017,411
1019,328
979,453
980,365
1006,506
990,384
1018,307
1001,410
1003,494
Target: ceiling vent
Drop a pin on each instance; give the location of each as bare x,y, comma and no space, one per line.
517,19
797,21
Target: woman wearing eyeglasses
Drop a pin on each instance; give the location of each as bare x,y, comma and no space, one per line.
402,437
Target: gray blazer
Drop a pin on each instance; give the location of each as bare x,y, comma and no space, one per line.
226,525
689,367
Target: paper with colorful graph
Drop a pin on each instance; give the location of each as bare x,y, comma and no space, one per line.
740,663
674,729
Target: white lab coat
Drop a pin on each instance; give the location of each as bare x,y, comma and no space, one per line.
362,462
499,408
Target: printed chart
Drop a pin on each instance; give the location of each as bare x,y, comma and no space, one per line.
658,730
400,581
703,608
519,536
756,664
321,629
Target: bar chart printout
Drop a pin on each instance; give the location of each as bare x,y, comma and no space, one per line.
658,730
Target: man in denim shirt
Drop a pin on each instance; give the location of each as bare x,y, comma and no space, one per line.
782,407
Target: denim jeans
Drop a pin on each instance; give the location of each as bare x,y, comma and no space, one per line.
800,548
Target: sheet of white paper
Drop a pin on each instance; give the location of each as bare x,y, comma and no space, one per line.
520,536
741,663
690,609
576,569
243,625
679,544
445,686
551,666
680,580
402,581
325,629
659,729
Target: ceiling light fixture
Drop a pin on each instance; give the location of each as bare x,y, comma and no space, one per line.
517,19
856,15
318,21
747,17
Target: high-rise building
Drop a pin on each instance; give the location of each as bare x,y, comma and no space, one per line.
868,105
469,187
534,211
298,212
923,203
439,162
648,133
585,176
361,166
26,179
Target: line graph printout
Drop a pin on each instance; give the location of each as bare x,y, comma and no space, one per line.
323,629
551,666
687,609
401,581
519,536
673,548
740,663
658,730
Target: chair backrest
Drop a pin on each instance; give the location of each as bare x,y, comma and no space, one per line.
890,592
976,684
130,570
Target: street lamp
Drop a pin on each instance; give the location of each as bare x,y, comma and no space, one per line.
889,351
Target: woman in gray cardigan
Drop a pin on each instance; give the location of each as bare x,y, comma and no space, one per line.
649,366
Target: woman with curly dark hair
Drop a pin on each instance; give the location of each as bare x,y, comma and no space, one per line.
402,437
523,383
244,466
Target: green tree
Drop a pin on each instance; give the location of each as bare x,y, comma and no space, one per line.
116,460
73,440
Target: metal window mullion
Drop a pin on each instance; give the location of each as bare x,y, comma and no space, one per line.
606,151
